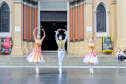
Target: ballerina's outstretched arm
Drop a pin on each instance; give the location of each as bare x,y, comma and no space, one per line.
43,35
56,35
66,35
88,38
34,33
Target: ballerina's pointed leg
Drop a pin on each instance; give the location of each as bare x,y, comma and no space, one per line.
92,71
37,68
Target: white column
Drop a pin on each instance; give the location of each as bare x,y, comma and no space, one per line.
68,25
39,18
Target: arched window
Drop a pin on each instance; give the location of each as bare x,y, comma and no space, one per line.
101,18
4,18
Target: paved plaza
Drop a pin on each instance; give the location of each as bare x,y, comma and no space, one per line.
69,76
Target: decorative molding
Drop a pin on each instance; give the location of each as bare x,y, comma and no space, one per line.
25,3
74,1
53,5
34,6
88,2
80,3
18,1
21,1
71,6
114,2
76,4
30,4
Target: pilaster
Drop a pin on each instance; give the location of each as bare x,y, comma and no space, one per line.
17,39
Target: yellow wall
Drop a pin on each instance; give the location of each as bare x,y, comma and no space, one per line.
11,3
19,47
117,26
124,32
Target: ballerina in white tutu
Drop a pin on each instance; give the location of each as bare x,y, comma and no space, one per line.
91,56
36,54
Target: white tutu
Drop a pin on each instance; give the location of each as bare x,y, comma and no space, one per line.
36,56
91,58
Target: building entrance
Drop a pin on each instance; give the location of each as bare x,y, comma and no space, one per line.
49,43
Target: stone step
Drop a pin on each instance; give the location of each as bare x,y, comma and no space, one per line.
64,64
49,61
52,60
56,60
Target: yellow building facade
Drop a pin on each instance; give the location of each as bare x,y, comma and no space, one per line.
22,40
115,25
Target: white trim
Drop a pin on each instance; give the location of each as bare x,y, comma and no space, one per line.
3,34
71,6
34,6
88,2
68,40
114,2
29,4
76,4
101,34
39,18
24,3
18,1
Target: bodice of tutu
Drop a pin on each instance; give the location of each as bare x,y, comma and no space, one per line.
91,47
38,45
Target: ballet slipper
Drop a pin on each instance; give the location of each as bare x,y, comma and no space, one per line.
37,70
60,71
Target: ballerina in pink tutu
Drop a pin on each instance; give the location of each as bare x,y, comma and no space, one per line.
91,56
36,54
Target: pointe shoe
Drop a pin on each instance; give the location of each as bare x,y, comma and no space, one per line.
90,70
60,71
37,70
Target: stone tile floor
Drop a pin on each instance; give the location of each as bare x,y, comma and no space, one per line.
69,76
